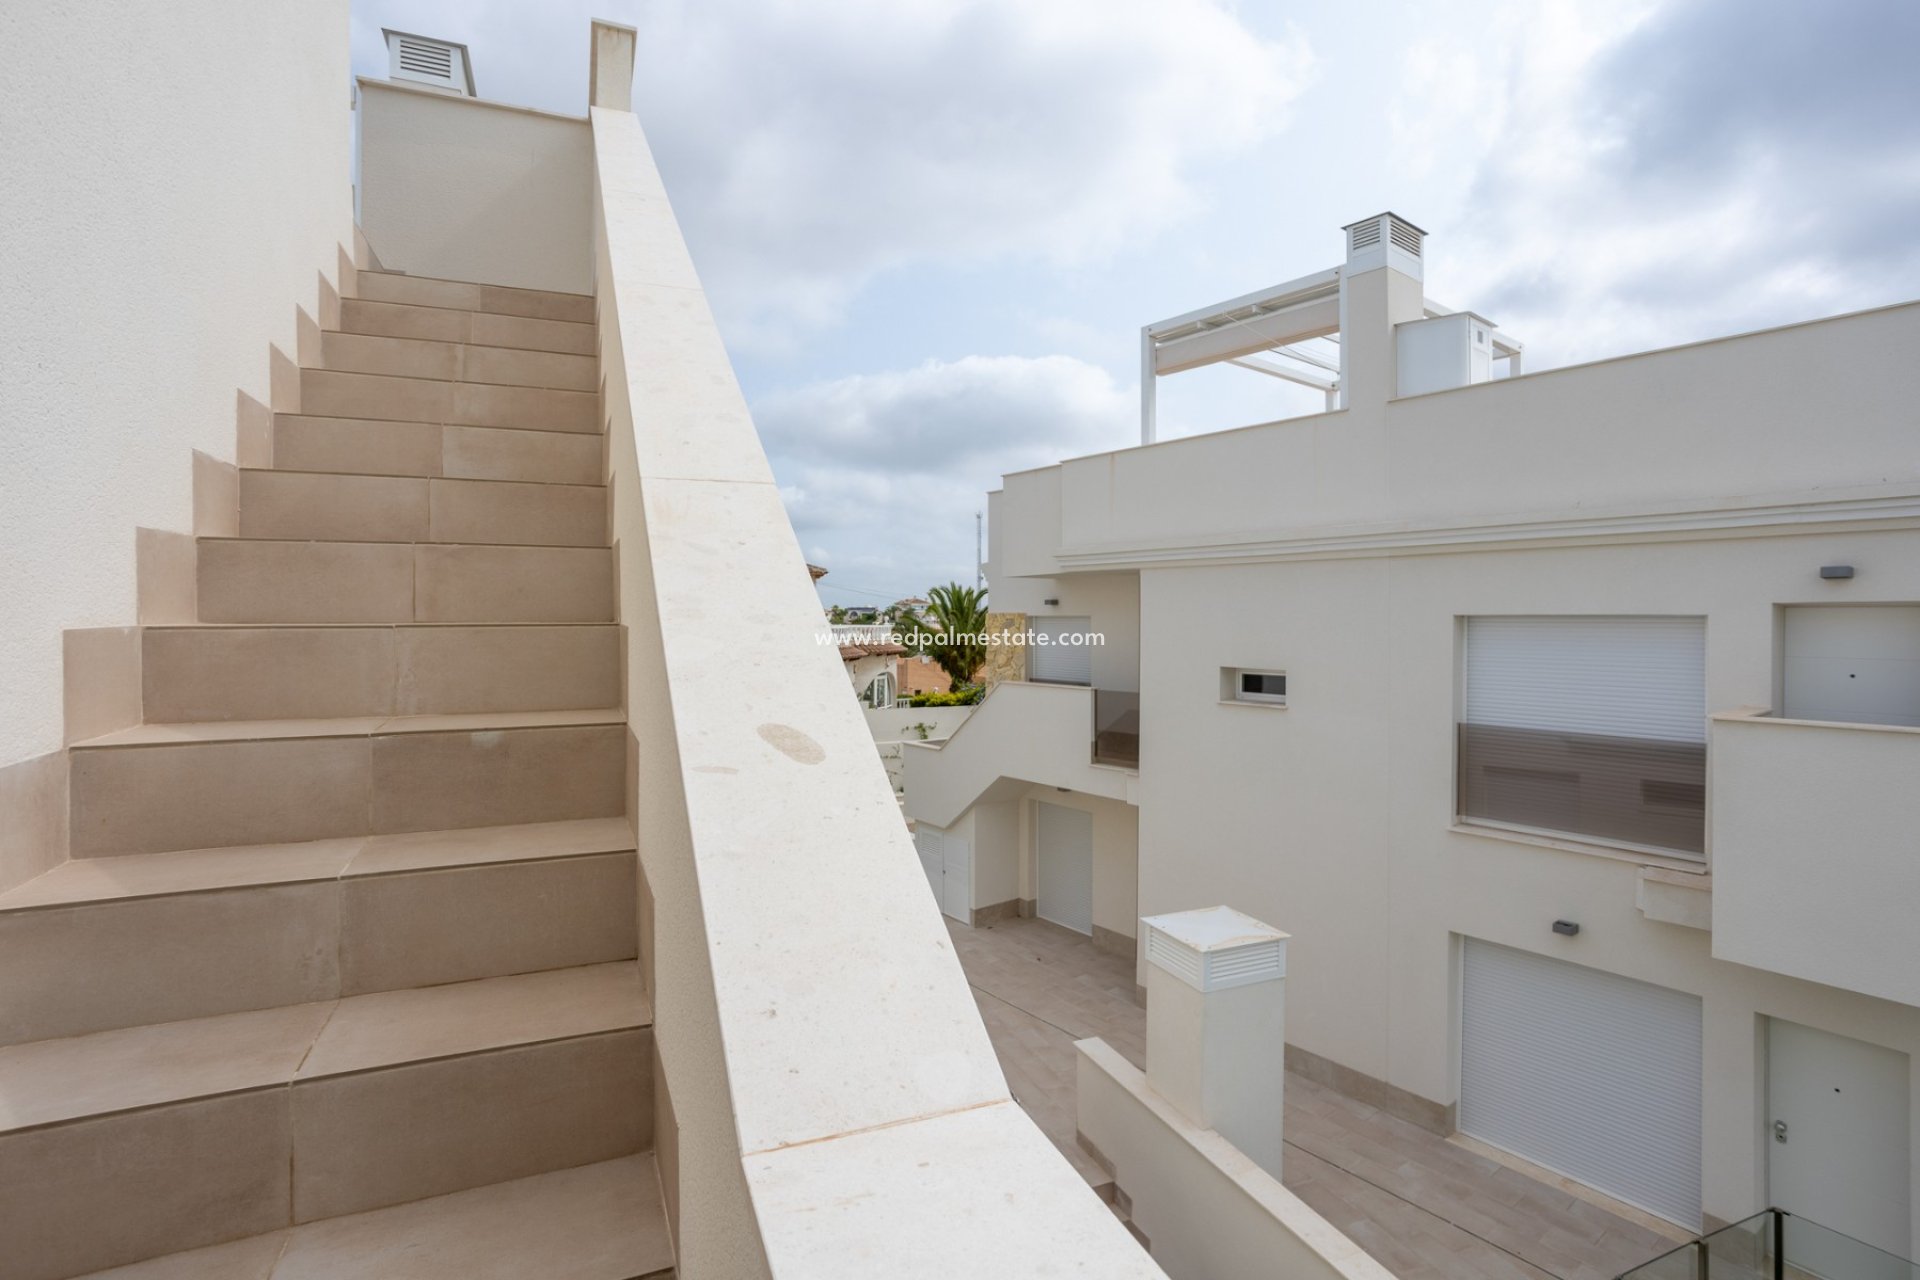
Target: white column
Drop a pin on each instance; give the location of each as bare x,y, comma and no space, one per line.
610,80
1216,1024
1149,388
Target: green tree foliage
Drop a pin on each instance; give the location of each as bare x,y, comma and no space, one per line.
958,616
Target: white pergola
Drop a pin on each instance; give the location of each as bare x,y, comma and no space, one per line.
1290,331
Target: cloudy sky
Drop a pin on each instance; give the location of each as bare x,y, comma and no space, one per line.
933,228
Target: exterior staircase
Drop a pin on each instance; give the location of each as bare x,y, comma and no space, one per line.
342,978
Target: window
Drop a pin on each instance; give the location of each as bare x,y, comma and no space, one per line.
1058,650
880,692
1592,727
1242,684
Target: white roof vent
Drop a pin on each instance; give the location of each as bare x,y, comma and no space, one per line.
1384,240
441,64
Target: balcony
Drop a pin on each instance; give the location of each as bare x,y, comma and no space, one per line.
1116,728
1774,1243
1814,844
1032,732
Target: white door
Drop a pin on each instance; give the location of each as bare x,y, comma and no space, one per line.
1590,1074
928,841
1063,848
1852,663
1051,660
1836,1144
956,895
947,861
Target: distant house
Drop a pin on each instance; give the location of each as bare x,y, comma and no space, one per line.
870,653
917,673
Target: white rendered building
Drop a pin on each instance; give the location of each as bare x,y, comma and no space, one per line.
1569,723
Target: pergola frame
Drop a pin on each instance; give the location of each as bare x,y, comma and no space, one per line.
1263,331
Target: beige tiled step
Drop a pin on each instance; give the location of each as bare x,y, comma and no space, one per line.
316,1110
101,943
602,1221
425,291
292,672
262,581
160,787
330,393
368,446
446,324
458,362
322,506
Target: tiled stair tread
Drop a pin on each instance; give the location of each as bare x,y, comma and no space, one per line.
387,1028
505,288
393,391
150,875
382,475
481,362
151,735
479,284
389,542
51,1081
601,1221
153,875
384,318
361,626
372,626
464,295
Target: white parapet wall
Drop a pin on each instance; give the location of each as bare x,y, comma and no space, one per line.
1814,836
1207,1210
521,179
915,724
1040,733
836,1107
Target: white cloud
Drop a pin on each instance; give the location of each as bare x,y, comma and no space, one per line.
812,146
1659,174
882,473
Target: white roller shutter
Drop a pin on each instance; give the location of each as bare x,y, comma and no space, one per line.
1620,677
1057,663
1063,840
1590,1074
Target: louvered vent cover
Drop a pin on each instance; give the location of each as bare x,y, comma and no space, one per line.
1363,235
1404,237
1215,948
422,60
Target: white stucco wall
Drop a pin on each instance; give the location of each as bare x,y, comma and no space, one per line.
177,178
1333,818
466,189
1711,480
1109,601
1210,1212
903,724
1033,732
1782,790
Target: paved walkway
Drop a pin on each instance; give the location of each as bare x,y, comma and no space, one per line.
1427,1208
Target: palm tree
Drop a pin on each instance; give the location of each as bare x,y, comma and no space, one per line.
959,614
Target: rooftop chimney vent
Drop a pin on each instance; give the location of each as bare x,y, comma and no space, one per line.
1384,240
440,64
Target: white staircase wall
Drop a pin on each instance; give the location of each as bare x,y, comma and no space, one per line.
177,180
521,179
